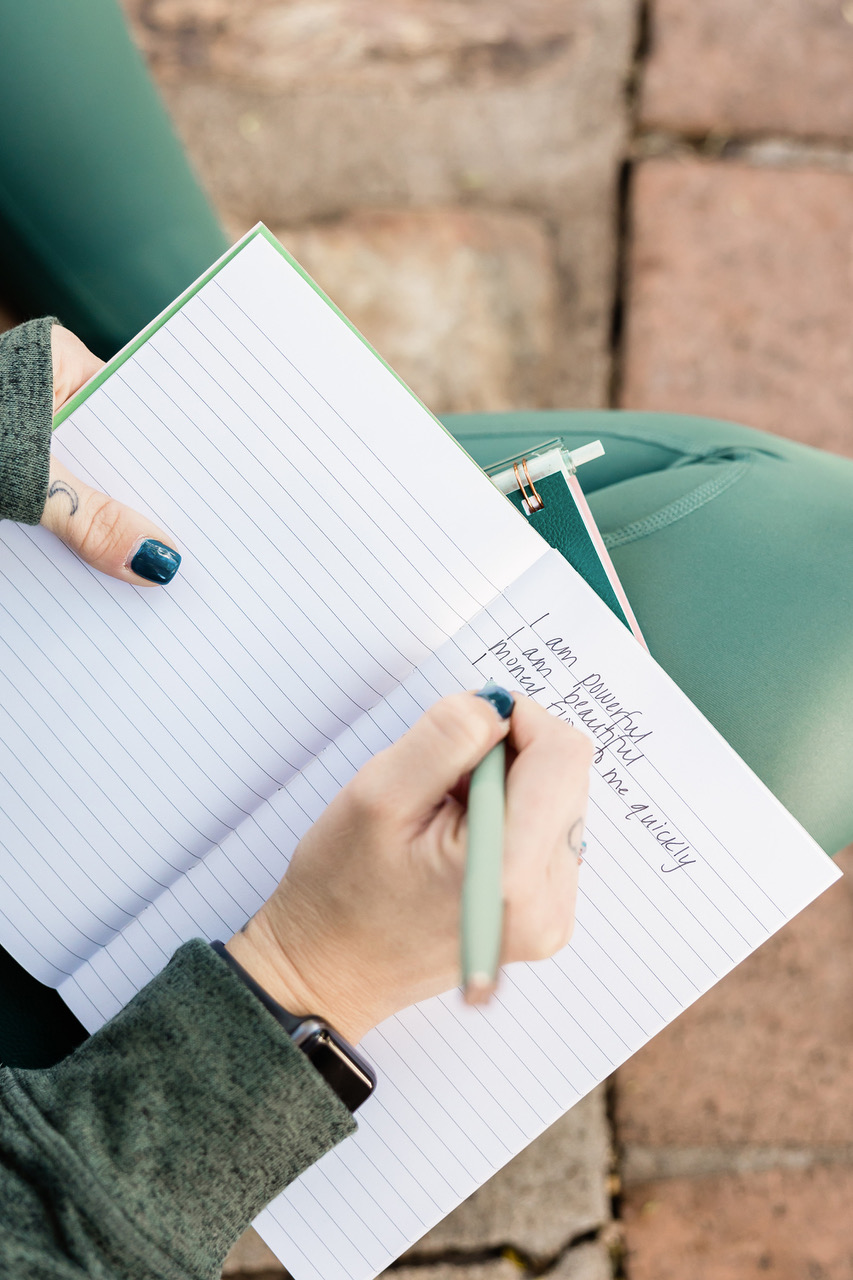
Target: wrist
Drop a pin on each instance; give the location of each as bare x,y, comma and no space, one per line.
257,949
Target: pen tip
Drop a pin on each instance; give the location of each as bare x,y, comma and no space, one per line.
478,988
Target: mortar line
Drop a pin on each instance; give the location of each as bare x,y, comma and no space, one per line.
531,1264
764,149
622,230
641,1164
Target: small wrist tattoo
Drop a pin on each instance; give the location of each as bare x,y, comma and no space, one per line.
60,486
576,842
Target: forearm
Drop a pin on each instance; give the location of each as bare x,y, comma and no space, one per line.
26,417
151,1148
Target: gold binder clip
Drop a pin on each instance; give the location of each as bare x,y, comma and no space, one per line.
532,501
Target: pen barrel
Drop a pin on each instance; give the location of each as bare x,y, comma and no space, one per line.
482,889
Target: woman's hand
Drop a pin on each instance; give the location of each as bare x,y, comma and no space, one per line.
366,920
107,535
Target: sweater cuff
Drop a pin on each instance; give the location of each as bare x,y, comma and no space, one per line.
26,419
189,1111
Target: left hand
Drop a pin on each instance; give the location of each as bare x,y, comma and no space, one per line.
106,534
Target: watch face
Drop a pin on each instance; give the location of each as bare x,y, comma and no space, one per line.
343,1070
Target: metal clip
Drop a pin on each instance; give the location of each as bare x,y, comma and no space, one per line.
530,501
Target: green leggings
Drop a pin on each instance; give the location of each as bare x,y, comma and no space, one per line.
735,547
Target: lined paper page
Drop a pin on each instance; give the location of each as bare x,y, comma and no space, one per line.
461,1090
139,726
691,864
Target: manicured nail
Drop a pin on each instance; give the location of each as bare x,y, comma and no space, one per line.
499,698
153,560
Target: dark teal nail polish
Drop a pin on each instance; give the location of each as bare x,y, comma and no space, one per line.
499,698
154,561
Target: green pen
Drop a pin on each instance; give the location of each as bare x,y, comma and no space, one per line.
482,888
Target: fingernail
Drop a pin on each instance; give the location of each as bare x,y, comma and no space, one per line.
153,560
499,698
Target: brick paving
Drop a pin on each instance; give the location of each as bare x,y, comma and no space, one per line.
450,171
308,115
777,1223
740,297
484,283
724,67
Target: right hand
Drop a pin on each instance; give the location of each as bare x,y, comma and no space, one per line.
366,920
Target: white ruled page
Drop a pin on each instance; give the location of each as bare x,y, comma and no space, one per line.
333,535
691,864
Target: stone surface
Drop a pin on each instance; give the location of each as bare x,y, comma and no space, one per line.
297,112
784,66
294,156
740,302
585,1262
290,44
251,1257
461,303
765,1057
778,1224
553,1191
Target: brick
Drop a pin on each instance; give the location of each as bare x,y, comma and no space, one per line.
553,1191
287,44
739,301
765,1057
784,66
785,1225
299,141
460,303
297,112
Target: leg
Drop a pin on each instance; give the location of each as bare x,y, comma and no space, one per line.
736,551
101,220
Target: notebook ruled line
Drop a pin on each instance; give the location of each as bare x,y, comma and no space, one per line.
345,566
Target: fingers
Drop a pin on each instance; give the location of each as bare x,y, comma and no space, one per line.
109,536
414,775
548,781
547,791
73,365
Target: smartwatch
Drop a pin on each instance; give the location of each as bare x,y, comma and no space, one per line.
343,1068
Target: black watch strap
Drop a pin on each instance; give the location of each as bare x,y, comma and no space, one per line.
343,1068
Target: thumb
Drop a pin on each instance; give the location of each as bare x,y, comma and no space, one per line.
109,536
418,771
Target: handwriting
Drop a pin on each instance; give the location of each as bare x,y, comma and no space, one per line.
677,848
613,780
517,664
561,650
591,704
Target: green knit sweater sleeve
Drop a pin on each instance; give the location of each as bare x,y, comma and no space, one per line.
149,1149
26,419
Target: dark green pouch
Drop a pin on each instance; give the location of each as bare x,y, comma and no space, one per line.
554,505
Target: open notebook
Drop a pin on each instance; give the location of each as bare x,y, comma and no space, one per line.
345,564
